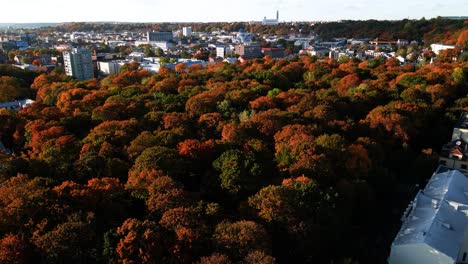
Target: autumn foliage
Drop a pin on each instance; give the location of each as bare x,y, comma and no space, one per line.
295,160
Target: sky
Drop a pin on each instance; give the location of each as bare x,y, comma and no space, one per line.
34,11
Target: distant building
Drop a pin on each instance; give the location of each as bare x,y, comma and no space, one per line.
304,43
7,46
187,31
164,45
358,41
243,37
250,50
16,105
78,63
336,54
159,36
319,52
150,66
271,22
437,47
136,56
230,60
455,153
402,42
108,67
434,228
223,51
29,38
276,53
77,35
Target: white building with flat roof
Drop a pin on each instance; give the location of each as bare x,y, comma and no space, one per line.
223,51
109,67
437,47
435,223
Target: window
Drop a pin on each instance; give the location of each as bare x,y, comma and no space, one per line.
463,166
464,256
443,162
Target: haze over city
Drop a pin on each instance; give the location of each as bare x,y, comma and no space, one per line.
30,11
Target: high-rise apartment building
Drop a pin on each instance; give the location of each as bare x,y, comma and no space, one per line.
78,63
187,31
159,36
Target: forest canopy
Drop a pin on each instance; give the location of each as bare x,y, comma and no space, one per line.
295,160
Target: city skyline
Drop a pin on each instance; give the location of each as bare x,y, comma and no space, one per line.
211,11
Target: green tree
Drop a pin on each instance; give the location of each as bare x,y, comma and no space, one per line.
239,172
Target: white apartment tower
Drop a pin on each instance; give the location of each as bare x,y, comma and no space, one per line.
78,63
187,31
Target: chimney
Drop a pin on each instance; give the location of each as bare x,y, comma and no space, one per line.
277,15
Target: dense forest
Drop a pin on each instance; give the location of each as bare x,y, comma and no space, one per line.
296,160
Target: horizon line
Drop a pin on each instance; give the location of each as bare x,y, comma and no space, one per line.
234,21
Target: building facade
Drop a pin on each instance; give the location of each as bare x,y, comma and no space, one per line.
159,36
108,67
223,51
250,50
271,22
276,53
78,63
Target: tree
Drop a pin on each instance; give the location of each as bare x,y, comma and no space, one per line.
71,241
215,258
140,242
12,89
209,125
189,229
147,49
204,102
139,181
296,150
195,149
259,257
349,81
239,172
15,250
238,238
160,158
393,120
25,203
165,194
